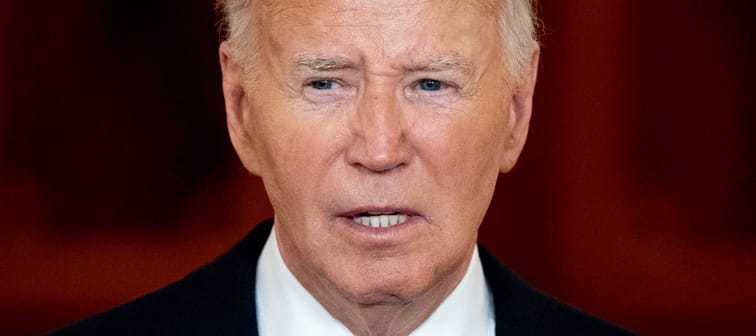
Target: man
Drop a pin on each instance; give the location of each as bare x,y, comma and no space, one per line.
379,129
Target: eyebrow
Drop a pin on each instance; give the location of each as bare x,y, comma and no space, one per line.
322,63
444,63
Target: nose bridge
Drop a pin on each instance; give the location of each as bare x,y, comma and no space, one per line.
379,130
379,115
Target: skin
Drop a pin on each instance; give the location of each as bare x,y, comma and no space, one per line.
356,106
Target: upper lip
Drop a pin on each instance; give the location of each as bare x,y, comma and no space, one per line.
378,210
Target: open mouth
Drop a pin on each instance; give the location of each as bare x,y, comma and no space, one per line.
380,219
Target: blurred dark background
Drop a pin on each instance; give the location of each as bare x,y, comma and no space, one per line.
634,198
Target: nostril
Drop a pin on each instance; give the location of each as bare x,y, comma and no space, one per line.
380,167
378,158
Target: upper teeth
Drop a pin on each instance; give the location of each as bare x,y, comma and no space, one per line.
380,221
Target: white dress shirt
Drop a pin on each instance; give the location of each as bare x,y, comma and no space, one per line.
285,308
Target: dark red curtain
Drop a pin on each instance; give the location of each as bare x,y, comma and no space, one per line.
634,198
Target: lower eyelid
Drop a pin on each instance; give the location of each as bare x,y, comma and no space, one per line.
323,95
444,89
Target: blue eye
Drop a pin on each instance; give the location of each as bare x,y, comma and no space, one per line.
430,85
323,84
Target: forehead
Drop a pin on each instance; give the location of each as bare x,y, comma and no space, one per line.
486,7
389,29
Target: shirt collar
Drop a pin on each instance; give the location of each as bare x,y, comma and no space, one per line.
284,307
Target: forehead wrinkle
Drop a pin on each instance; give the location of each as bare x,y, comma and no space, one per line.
274,8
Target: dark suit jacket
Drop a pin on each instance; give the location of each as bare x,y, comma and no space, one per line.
219,299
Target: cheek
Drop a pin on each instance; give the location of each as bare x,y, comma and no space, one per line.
295,149
463,161
463,150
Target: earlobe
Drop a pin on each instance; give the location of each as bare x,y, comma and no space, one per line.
237,109
520,109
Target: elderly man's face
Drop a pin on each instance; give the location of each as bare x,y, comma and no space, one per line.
379,129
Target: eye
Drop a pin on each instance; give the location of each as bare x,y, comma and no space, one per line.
322,84
430,85
326,90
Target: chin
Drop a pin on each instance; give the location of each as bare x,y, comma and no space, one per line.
376,288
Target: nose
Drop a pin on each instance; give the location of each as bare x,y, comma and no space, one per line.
379,134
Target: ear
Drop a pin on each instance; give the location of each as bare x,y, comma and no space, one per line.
519,112
237,109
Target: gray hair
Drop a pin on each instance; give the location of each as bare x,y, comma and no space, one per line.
518,32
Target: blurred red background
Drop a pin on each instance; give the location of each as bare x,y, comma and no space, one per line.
634,198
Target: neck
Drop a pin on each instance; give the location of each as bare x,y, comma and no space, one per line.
394,316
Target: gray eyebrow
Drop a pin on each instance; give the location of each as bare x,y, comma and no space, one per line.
322,63
444,63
